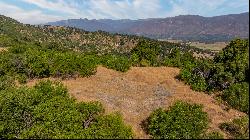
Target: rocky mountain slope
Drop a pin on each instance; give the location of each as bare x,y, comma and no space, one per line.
183,27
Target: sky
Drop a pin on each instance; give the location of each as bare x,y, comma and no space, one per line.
43,11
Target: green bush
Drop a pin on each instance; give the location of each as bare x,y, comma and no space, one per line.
174,58
198,83
22,78
6,82
237,96
119,63
46,111
55,118
227,72
70,64
185,75
146,54
134,59
229,66
109,127
238,128
6,41
39,63
235,61
18,49
87,65
181,121
90,110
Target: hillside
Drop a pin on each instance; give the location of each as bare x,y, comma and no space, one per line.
68,37
183,27
80,40
67,83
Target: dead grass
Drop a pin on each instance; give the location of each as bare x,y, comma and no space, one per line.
141,90
217,46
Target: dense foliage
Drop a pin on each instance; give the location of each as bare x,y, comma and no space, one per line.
36,61
146,54
47,111
181,121
116,62
237,96
227,72
32,63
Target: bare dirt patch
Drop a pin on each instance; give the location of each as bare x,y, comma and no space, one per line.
3,49
136,93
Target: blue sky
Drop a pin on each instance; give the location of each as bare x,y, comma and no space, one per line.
42,11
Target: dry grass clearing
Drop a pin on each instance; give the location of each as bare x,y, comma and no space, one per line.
217,46
141,90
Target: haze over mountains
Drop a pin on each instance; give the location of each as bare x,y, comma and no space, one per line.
183,27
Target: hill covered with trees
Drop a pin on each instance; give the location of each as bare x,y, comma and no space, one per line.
74,38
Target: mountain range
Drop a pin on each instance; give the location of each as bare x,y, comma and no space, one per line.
183,27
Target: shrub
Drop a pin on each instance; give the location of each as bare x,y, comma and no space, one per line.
55,118
87,65
237,96
185,75
181,121
198,83
22,78
6,82
46,111
18,49
33,62
109,127
227,72
234,59
15,112
144,63
6,41
37,63
90,110
48,89
135,59
147,52
119,63
238,128
174,58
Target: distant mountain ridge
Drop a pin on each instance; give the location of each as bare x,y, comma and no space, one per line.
183,27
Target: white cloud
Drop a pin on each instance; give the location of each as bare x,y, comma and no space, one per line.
117,9
126,9
104,8
194,7
31,17
211,7
58,5
176,10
